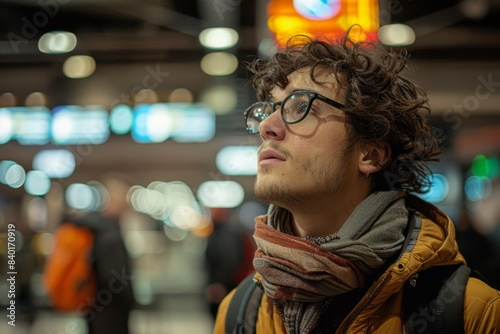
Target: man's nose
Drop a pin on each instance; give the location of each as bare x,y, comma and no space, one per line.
273,127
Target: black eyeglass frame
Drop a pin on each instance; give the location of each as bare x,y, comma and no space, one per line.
311,95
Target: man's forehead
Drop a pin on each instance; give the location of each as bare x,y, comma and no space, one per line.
301,80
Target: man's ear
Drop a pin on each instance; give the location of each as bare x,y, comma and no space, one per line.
373,158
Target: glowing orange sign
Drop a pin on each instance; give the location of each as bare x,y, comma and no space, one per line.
323,19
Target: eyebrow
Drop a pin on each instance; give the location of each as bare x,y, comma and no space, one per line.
290,90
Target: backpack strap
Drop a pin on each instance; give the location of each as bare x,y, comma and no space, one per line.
433,300
241,316
449,307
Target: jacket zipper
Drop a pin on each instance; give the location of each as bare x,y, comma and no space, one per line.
366,302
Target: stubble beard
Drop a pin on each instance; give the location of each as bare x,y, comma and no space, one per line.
327,178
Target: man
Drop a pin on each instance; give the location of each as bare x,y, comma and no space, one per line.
344,142
228,257
109,311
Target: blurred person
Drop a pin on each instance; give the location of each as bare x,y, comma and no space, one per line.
477,248
228,257
344,144
109,311
27,265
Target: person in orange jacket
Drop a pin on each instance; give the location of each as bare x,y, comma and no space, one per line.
344,144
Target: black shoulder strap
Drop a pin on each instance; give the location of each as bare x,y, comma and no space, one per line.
449,307
433,300
241,316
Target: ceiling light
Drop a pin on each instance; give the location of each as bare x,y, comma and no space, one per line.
146,96
219,63
181,95
57,42
78,67
7,100
36,99
396,35
218,38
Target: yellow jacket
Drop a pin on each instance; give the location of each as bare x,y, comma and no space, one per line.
379,311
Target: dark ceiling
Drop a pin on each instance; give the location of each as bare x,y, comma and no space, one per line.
448,28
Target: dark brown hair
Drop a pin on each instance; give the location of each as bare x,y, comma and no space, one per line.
382,106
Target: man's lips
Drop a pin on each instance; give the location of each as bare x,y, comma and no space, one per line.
268,156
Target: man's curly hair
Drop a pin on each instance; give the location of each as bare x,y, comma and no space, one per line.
381,105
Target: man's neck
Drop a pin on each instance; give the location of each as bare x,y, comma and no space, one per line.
327,216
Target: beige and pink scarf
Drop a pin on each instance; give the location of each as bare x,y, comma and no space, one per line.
300,273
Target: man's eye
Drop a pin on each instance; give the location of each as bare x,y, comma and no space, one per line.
302,106
298,108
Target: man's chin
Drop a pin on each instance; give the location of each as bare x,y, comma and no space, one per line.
266,191
272,192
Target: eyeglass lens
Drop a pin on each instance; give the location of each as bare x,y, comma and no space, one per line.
293,109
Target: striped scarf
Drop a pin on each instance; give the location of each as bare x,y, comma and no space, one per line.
300,273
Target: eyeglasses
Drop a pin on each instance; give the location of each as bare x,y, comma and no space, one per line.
294,108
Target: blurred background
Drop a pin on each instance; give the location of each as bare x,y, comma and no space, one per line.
154,90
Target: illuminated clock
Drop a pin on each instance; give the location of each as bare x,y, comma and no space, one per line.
317,9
